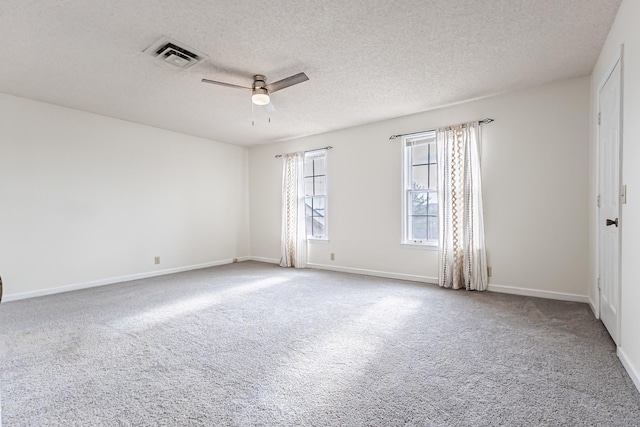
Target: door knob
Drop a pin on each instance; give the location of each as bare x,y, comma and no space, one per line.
612,222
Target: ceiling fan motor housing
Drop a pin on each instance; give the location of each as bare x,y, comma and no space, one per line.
260,94
259,81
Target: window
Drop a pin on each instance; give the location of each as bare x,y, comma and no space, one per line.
315,190
420,189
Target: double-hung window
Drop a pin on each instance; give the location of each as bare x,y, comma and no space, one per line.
315,188
420,189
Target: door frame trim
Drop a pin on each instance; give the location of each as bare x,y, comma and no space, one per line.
618,59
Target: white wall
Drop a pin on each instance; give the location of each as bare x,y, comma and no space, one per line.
85,198
535,173
624,31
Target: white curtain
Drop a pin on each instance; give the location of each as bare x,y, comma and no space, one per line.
463,260
294,234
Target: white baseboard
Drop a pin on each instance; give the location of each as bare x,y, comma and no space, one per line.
538,293
631,370
362,271
366,272
594,308
112,280
263,259
434,280
385,274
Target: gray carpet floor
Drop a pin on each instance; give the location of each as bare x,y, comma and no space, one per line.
253,344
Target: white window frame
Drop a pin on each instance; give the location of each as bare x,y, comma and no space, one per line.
407,142
312,154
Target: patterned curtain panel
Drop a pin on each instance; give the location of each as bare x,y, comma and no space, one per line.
463,260
294,234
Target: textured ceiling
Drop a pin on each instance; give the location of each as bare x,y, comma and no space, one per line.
366,60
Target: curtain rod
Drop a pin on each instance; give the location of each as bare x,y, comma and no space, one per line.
480,122
328,147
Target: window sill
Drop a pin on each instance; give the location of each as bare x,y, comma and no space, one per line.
420,246
317,240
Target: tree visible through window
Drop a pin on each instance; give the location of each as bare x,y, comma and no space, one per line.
420,189
315,187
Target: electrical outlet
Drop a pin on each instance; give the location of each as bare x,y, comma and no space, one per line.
333,256
156,260
489,271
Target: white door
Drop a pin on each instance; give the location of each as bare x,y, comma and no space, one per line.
609,200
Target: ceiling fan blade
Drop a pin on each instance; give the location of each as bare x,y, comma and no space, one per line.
289,81
224,84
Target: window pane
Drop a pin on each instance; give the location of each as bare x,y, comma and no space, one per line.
320,185
318,203
308,166
432,227
419,154
320,165
433,177
433,158
308,186
419,228
419,202
432,208
318,216
419,177
315,216
309,206
309,225
318,228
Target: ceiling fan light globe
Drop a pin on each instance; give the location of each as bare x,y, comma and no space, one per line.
260,97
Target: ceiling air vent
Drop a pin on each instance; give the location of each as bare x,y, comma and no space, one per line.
175,53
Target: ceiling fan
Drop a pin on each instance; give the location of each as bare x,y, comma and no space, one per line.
260,90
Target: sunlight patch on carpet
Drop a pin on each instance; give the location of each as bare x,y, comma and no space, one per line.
320,370
187,306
